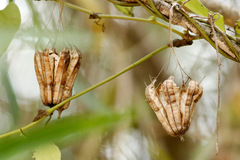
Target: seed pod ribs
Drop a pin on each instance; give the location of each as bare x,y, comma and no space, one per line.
56,74
174,107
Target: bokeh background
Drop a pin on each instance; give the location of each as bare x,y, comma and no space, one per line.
140,136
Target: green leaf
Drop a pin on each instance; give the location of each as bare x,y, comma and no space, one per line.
46,152
125,10
63,130
10,20
197,7
237,29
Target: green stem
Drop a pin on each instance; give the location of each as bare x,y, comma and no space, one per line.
108,16
155,10
51,110
150,10
123,3
21,129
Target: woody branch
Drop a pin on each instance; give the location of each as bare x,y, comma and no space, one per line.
228,45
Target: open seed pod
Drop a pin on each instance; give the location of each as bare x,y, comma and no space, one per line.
174,106
56,74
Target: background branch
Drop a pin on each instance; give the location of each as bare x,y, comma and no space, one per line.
182,18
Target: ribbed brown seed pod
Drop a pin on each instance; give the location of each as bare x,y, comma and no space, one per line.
174,106
56,74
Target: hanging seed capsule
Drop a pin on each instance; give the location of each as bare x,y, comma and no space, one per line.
69,77
157,106
56,75
170,92
174,107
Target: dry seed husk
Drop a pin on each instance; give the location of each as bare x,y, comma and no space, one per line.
56,74
174,106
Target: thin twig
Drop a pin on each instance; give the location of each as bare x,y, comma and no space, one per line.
171,41
211,21
124,3
51,110
108,16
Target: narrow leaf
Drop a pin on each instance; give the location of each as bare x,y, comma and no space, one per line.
57,131
198,8
125,10
237,29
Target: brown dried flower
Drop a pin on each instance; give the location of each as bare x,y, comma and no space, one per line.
56,74
173,106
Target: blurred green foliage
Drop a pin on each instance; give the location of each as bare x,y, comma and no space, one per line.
59,131
10,20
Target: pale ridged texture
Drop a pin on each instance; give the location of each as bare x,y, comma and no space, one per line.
62,63
157,106
71,74
39,73
48,77
56,75
174,106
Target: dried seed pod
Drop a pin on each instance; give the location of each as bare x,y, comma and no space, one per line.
174,106
39,73
157,106
170,90
56,75
197,94
70,76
